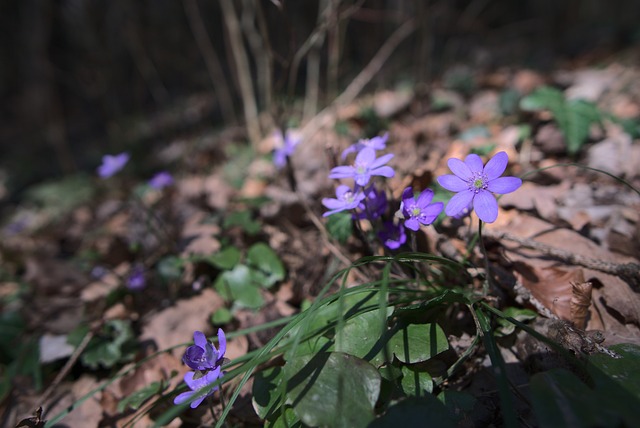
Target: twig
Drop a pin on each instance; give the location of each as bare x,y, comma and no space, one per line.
67,367
239,54
630,272
355,87
220,85
260,52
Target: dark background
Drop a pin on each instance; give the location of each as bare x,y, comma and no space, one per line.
80,78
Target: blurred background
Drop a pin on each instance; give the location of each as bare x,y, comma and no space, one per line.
80,78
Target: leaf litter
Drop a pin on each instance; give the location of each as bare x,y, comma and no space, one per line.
555,244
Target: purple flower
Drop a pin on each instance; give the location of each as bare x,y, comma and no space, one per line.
377,143
365,166
392,235
419,211
474,184
203,355
200,387
111,164
136,281
346,199
373,206
285,149
161,180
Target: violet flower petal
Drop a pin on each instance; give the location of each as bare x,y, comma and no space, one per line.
222,344
502,185
459,201
486,206
453,183
460,169
496,166
474,162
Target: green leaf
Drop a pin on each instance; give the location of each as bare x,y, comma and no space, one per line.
221,316
425,411
415,343
236,285
332,389
415,382
244,220
560,398
225,259
170,268
267,269
574,117
361,336
266,397
626,370
137,399
288,420
340,226
107,348
519,314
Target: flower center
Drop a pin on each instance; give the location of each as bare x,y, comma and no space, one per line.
360,169
478,182
348,197
415,211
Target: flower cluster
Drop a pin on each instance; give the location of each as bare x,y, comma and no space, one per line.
112,164
206,362
473,182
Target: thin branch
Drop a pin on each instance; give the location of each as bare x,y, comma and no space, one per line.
216,74
628,271
244,72
325,117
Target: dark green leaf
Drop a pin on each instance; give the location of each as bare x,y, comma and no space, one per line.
237,286
332,389
415,343
625,370
137,399
170,268
459,403
221,316
244,220
425,411
267,269
416,383
340,226
266,397
225,259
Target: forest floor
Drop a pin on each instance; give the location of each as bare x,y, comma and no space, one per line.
564,245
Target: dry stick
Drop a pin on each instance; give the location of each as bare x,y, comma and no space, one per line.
216,74
145,65
259,51
313,71
628,271
67,367
333,42
325,117
244,72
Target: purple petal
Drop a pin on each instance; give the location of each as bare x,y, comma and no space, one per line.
407,195
460,169
362,179
342,172
222,344
496,165
452,183
425,198
351,149
459,201
412,223
504,185
341,190
332,203
430,213
181,398
486,206
384,171
381,160
200,339
474,162
366,156
197,402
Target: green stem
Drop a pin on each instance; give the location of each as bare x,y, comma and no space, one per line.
487,268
